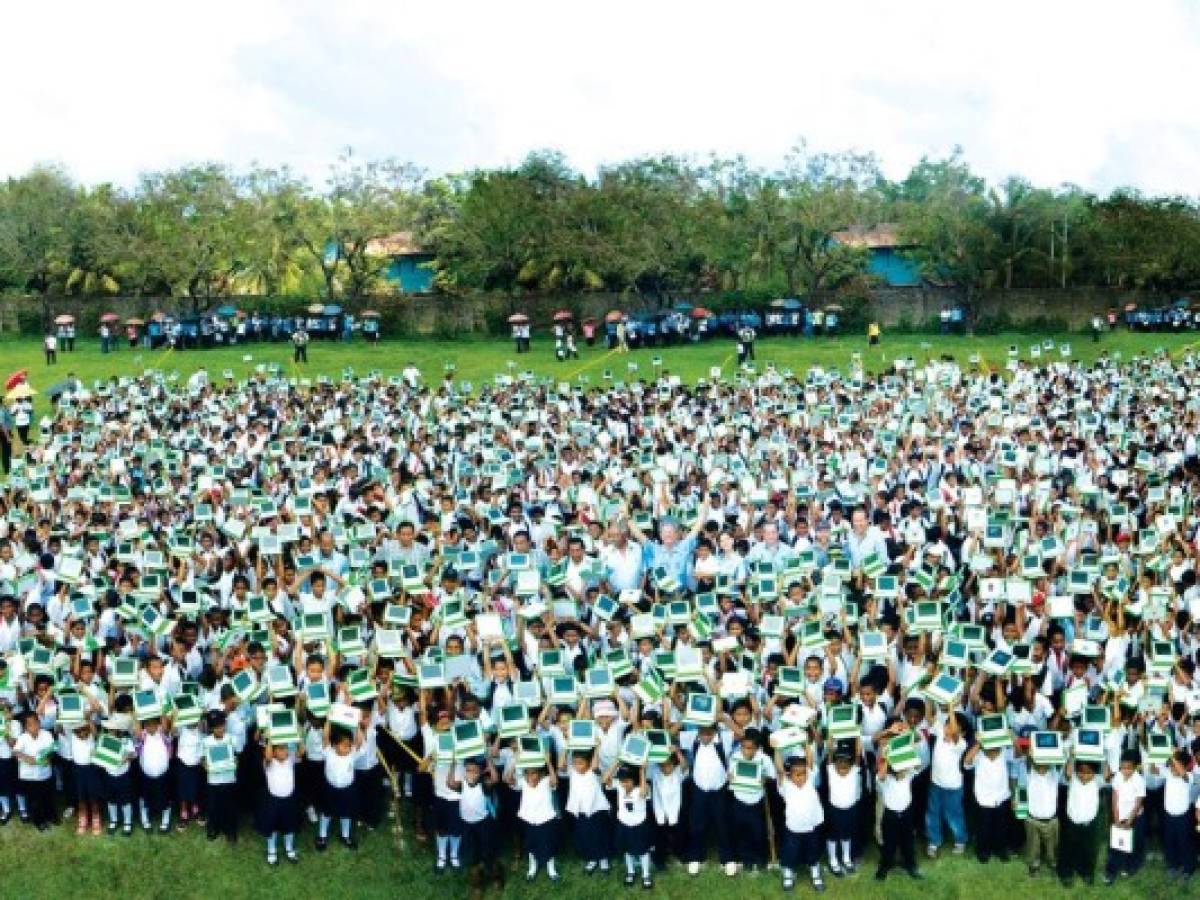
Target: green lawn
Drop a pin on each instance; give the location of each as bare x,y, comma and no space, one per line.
476,360
58,864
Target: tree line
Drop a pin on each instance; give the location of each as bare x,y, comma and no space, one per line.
653,227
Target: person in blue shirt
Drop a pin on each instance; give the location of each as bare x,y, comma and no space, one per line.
673,550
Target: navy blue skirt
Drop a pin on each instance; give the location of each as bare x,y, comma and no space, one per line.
118,788
277,814
341,803
634,839
541,840
88,784
478,842
188,780
446,817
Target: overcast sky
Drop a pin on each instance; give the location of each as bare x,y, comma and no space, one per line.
1098,93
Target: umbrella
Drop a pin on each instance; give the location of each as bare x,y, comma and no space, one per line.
228,311
787,303
57,389
64,320
136,323
332,310
110,317
683,306
1130,307
614,316
315,309
518,319
16,378
833,307
158,316
563,315
20,392
701,313
370,314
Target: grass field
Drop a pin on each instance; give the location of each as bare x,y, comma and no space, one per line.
479,360
58,864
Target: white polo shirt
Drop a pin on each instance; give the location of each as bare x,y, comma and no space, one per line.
946,763
991,780
1043,794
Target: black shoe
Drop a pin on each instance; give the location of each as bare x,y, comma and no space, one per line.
290,856
880,874
5,817
211,835
647,884
914,873
1003,857
24,817
350,843
629,879
43,826
322,844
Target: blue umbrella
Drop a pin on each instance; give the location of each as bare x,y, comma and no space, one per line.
332,310
227,311
683,306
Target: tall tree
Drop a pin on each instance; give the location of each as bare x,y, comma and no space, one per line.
34,240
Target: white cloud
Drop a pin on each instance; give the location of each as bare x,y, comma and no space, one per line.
1099,93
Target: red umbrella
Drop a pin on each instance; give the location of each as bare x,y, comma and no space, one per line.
520,319
701,313
614,316
64,320
110,317
563,315
16,378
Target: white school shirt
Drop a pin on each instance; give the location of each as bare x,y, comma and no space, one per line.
666,791
34,746
844,790
1129,791
631,806
707,772
339,770
81,748
897,791
537,803
946,762
1177,795
610,743
802,811
585,794
473,803
991,780
189,745
402,721
1083,800
1043,794
281,777
155,759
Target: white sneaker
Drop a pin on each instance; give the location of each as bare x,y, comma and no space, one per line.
731,869
693,868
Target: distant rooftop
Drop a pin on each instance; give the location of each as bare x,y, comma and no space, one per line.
885,235
399,243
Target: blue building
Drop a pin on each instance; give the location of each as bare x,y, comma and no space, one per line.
409,270
885,246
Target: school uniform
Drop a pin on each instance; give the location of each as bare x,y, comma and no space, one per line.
707,810
8,769
945,803
845,794
310,772
446,819
117,780
1179,825
1042,825
589,808
802,819
666,795
341,800
992,793
154,760
633,835
35,781
747,814
1082,825
539,821
897,824
87,775
368,776
189,755
475,814
1126,793
279,805
221,793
